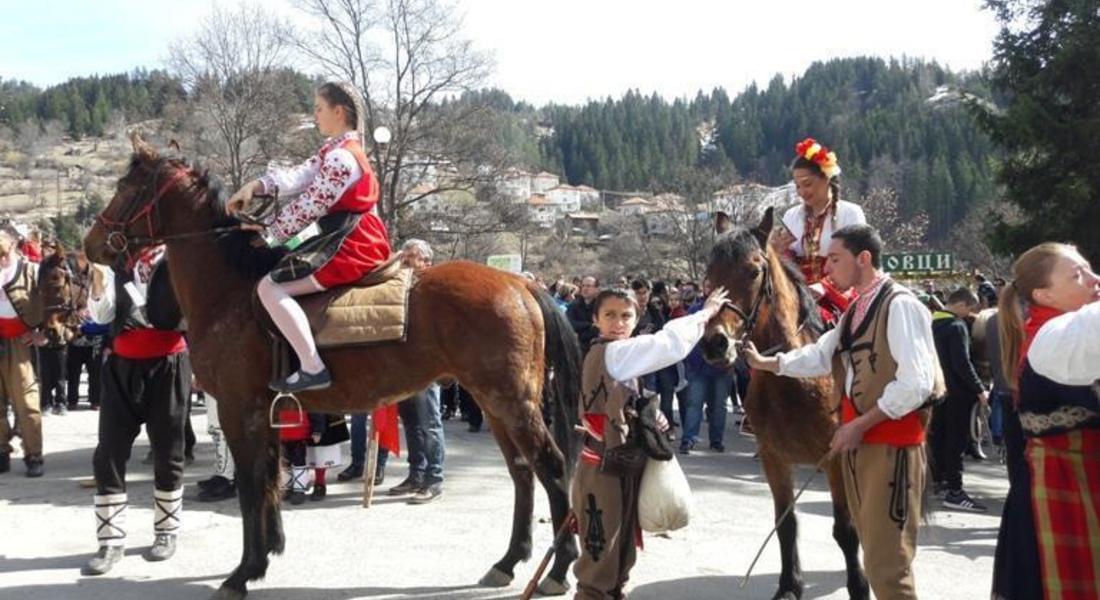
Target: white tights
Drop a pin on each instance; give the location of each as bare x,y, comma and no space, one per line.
278,299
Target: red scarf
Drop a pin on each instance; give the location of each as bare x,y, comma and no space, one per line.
1037,316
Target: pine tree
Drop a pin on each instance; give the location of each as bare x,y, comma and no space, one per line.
1045,61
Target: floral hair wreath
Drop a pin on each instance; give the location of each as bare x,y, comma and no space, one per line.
815,152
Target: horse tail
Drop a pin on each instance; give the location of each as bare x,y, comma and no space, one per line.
562,384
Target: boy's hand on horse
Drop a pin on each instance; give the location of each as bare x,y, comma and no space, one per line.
240,200
717,299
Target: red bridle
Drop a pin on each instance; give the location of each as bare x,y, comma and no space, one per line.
117,239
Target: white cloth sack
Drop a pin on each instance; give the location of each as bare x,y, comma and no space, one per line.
664,497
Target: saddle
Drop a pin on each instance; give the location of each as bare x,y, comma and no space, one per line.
369,311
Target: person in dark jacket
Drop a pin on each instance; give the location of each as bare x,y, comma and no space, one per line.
580,312
951,419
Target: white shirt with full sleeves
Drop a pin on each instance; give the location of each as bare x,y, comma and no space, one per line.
909,335
847,213
627,359
1067,347
318,183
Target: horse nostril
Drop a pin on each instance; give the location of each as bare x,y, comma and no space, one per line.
716,346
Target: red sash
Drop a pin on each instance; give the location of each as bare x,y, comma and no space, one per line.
906,431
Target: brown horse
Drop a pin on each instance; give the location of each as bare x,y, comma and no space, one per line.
794,419
58,296
494,332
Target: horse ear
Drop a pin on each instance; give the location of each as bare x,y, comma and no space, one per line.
174,146
764,229
142,149
722,222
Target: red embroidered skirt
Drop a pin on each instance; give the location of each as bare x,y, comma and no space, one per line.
366,247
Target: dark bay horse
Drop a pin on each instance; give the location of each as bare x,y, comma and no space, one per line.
794,419
494,332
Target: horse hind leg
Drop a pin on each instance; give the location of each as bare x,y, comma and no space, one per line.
845,534
519,547
550,468
778,473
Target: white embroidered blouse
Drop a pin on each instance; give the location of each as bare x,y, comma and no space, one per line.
847,214
318,183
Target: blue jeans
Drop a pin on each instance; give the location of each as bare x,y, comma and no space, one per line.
359,444
423,422
711,391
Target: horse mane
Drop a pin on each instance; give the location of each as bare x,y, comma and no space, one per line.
236,246
736,245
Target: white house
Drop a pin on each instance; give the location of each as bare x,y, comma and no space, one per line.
515,184
544,181
590,198
565,195
635,205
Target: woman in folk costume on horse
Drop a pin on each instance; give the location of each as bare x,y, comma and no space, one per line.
337,189
1049,323
808,227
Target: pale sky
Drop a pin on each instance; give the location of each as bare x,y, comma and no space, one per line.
564,51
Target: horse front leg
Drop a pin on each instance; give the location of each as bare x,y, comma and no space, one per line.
253,443
778,473
845,534
519,546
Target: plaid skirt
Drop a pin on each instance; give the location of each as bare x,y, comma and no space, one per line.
1065,492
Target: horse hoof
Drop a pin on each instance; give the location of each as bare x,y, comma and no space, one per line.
224,593
552,587
496,578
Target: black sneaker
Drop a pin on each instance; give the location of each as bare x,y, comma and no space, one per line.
718,447
297,498
319,493
5,462
218,489
686,447
960,500
212,480
304,382
104,560
60,409
410,486
163,548
379,477
427,493
351,473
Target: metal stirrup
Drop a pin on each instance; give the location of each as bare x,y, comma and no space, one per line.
271,412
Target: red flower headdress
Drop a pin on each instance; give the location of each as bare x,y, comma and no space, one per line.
817,153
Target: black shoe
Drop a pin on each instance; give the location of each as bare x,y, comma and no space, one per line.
960,500
72,406
220,489
409,486
103,561
35,467
427,493
205,483
5,462
718,447
61,409
686,447
351,473
473,428
163,548
304,382
189,458
319,493
379,477
296,498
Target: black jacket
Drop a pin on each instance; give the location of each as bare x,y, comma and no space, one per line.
953,346
580,315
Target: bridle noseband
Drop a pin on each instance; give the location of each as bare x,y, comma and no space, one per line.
749,320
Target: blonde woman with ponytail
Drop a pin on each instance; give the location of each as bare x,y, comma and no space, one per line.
1050,348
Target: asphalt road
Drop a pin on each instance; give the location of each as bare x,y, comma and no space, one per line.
336,550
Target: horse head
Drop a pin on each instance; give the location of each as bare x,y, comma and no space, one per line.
158,197
55,285
739,263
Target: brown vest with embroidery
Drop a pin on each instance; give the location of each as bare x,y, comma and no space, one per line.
866,350
602,395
